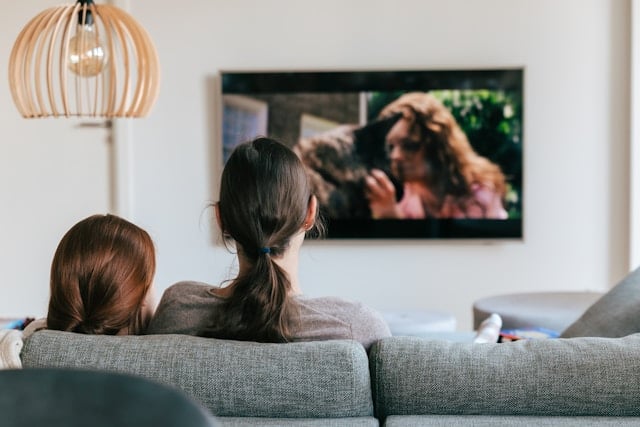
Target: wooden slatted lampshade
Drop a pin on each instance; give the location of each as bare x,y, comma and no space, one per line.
84,60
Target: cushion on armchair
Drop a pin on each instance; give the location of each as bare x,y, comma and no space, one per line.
615,314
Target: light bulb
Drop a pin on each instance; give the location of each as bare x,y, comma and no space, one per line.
87,57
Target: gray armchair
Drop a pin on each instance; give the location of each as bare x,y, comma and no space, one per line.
79,398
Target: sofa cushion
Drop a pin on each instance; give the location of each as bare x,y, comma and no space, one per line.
230,378
577,376
507,421
297,422
615,314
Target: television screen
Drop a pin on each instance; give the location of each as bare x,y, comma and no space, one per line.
394,154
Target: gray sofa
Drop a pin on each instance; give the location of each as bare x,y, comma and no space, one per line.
403,381
576,381
242,383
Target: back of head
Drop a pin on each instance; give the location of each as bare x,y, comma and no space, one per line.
264,195
264,199
100,276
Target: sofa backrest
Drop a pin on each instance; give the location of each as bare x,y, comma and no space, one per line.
577,376
230,378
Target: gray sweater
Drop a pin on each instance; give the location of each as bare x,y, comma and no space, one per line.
187,307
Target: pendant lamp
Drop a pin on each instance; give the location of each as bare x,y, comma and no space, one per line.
84,60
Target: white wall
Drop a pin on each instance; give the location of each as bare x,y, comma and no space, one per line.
634,155
52,173
576,138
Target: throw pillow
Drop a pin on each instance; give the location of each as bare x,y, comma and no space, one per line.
615,314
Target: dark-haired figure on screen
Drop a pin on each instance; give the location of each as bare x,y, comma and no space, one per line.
266,208
443,177
101,278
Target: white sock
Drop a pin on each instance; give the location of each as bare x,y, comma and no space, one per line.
489,329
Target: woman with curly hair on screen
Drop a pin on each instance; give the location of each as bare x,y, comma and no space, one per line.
442,175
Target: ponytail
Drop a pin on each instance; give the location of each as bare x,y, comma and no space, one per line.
264,201
259,308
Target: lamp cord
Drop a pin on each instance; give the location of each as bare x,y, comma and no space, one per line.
85,18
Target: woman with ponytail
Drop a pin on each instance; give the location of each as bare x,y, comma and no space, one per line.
101,278
266,208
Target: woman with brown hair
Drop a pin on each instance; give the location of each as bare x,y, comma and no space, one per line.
442,175
266,208
101,278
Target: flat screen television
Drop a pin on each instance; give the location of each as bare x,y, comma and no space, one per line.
407,154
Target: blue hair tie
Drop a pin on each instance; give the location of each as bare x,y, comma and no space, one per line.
265,250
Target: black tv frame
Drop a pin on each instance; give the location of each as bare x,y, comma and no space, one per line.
498,79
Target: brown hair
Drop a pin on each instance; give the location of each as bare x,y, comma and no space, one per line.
453,164
100,276
264,199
